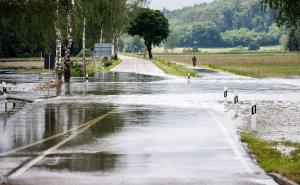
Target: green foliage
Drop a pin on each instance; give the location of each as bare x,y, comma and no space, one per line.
243,37
135,45
223,23
152,25
172,41
27,27
253,46
286,12
284,42
88,53
293,40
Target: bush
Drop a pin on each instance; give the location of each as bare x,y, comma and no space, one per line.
108,63
253,46
88,53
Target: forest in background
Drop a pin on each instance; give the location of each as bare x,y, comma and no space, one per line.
224,23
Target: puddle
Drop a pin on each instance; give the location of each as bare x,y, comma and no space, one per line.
285,150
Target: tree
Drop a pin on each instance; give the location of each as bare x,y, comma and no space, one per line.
172,41
205,34
286,12
68,44
135,45
253,46
293,40
153,26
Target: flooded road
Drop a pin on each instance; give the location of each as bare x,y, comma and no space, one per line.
128,128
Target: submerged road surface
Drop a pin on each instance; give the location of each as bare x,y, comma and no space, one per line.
142,130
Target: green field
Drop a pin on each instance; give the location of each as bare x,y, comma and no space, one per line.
259,65
272,160
160,50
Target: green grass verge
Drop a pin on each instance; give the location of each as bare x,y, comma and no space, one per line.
272,160
32,71
173,69
91,69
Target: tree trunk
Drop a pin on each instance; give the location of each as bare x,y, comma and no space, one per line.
116,47
58,48
149,48
83,48
68,46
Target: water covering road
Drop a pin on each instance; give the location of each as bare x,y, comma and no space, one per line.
131,128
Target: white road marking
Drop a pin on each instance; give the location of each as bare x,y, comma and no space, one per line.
55,147
47,139
230,141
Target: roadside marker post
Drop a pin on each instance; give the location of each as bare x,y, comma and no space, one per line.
253,116
225,94
253,109
236,101
236,98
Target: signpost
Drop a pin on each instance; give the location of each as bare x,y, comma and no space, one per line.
103,50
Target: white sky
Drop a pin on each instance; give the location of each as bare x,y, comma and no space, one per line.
174,4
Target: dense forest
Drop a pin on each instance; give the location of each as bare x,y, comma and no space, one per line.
223,23
28,28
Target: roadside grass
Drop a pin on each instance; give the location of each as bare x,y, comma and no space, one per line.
173,69
258,65
272,160
92,68
32,71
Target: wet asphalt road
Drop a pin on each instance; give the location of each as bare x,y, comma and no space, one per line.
128,128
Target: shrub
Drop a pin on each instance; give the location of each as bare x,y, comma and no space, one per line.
108,63
88,53
253,46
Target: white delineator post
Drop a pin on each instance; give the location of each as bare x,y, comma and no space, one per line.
236,101
253,116
225,94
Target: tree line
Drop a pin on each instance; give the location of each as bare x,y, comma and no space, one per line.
225,23
28,27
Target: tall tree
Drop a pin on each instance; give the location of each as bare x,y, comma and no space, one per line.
58,44
286,12
153,26
68,43
172,41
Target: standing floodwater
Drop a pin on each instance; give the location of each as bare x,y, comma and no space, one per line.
127,128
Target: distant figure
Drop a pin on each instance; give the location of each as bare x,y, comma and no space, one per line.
194,59
4,90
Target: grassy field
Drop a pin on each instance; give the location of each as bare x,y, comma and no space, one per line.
21,63
257,65
272,160
276,48
173,69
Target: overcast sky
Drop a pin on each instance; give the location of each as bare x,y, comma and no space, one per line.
174,4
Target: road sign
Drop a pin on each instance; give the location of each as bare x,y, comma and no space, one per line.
103,50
